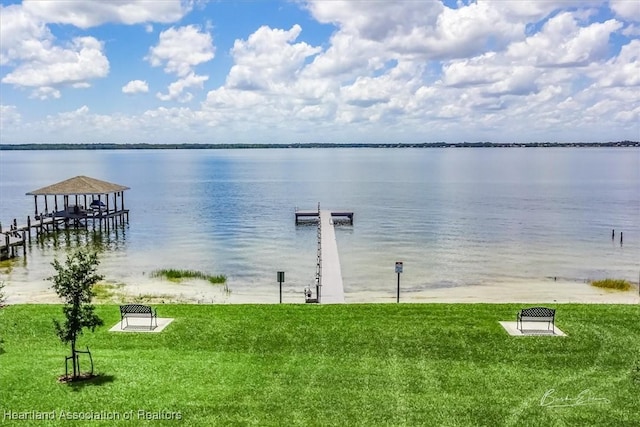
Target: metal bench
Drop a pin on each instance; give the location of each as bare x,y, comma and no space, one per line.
536,314
138,310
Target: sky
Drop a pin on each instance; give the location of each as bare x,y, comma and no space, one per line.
376,71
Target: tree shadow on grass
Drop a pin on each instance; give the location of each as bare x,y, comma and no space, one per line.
635,373
85,381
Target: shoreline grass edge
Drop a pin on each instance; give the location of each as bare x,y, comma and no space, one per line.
176,275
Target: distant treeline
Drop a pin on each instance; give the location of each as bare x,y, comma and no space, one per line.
191,146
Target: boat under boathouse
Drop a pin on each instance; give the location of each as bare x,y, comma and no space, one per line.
79,201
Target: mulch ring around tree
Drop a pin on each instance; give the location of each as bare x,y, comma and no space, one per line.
64,379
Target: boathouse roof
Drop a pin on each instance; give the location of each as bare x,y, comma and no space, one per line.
78,185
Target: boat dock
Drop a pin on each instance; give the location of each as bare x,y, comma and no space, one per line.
301,216
331,274
329,286
20,235
10,242
84,200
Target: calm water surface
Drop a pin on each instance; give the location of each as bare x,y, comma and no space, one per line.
455,217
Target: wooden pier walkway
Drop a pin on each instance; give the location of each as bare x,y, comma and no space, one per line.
329,286
10,242
19,235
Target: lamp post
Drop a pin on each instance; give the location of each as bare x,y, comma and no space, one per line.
280,280
398,271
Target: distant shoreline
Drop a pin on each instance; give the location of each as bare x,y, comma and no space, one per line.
192,146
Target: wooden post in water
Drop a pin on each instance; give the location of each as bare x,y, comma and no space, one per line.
24,244
621,238
29,226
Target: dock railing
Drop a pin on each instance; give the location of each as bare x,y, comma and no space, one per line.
319,258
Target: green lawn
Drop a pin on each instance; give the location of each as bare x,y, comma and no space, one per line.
343,365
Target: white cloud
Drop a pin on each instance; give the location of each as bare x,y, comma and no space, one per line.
20,33
470,72
81,60
177,88
180,49
424,28
626,9
86,14
535,11
563,43
391,71
365,85
37,61
375,20
136,86
266,85
631,31
621,71
466,31
546,80
269,58
230,99
45,92
9,116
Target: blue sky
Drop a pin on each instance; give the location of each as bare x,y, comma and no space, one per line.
319,71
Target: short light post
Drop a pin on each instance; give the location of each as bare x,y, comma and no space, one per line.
398,271
280,280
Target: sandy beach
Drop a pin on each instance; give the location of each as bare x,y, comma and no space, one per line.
201,292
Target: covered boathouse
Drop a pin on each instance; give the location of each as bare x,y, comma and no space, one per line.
78,201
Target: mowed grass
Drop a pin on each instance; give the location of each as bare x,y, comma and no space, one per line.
342,365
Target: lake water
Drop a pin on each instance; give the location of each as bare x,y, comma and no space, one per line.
455,217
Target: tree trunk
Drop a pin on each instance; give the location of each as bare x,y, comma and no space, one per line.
74,359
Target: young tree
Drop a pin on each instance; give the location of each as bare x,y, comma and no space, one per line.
73,282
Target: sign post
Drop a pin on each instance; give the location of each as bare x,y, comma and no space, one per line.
280,280
398,271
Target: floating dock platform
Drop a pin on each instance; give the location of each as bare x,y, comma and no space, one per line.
301,216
